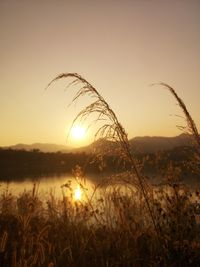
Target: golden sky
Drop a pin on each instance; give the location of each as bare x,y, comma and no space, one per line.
121,47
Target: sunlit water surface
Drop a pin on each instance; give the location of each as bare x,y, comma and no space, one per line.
49,185
67,185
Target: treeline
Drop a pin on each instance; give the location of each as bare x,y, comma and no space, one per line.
22,164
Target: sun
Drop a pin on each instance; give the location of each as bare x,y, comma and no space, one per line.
78,132
78,193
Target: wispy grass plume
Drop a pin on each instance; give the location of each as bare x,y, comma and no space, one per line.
190,122
112,129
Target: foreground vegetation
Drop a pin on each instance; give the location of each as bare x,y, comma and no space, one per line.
112,229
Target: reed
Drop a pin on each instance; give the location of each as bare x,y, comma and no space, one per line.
113,230
111,129
192,128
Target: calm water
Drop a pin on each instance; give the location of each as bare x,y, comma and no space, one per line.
54,185
48,185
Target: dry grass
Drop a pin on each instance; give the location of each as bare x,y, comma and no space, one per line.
113,229
191,126
111,129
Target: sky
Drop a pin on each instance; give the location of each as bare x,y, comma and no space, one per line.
120,47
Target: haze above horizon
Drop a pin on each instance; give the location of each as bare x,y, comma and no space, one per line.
120,47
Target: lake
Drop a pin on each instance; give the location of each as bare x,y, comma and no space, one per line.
66,185
56,185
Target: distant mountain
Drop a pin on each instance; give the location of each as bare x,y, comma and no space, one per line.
145,144
41,146
153,144
99,146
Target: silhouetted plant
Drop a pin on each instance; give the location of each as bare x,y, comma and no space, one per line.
111,129
190,122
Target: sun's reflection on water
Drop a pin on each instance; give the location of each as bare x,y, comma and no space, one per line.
58,186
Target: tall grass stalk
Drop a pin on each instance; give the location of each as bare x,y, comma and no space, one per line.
112,129
190,122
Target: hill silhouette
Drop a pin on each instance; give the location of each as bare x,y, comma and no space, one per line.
43,147
144,144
